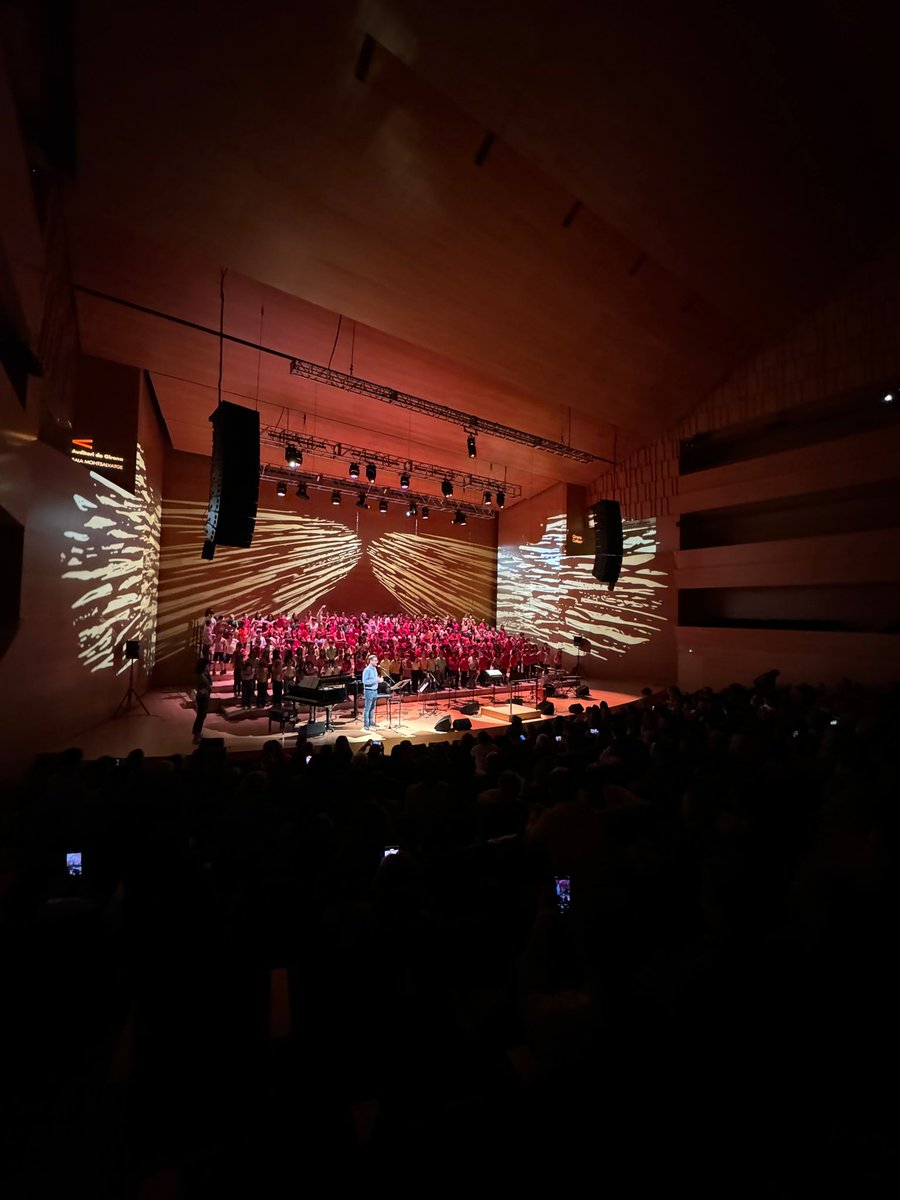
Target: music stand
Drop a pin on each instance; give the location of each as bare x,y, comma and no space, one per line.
398,691
131,699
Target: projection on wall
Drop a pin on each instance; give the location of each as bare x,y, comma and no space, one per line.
434,574
296,561
112,552
553,597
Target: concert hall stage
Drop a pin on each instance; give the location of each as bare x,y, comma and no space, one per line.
167,730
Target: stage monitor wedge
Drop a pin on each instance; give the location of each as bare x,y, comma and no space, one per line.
606,518
233,478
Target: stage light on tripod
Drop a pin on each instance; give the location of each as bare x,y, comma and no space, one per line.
459,517
335,497
361,502
471,446
447,488
382,506
293,457
412,511
487,499
371,472
281,489
426,513
354,470
501,499
404,482
302,492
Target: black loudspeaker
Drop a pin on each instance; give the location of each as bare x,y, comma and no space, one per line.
461,724
472,709
547,707
233,478
607,521
576,708
583,692
443,725
314,728
517,700
132,649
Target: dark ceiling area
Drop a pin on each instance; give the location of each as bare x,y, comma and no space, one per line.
573,219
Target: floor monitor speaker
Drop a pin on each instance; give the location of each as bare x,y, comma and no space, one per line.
443,725
472,709
547,707
461,724
314,728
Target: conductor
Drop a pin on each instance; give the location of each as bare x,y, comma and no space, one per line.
370,691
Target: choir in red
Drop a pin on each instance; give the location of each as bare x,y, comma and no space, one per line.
432,651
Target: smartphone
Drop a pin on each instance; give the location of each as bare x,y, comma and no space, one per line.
595,732
389,850
73,863
375,741
308,759
523,737
559,737
832,722
563,893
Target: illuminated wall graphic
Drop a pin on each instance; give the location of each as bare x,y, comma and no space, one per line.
435,574
294,562
553,597
112,553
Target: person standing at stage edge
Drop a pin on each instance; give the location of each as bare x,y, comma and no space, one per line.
202,689
370,691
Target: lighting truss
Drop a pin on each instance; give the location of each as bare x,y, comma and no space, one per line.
351,488
375,391
390,462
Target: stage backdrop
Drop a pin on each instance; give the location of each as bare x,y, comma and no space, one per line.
552,595
307,553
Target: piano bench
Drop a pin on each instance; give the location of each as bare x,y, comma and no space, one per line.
279,716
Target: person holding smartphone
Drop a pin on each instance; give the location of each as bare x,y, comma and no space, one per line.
370,691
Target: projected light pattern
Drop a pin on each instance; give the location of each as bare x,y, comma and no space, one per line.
435,574
553,597
293,563
114,549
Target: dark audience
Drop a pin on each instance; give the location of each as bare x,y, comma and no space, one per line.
631,946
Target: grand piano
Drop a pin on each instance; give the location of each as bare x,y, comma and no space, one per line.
323,691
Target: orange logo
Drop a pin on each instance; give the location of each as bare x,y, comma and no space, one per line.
83,443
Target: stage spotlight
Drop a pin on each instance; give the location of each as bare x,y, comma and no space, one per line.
404,482
361,502
371,472
447,488
382,506
425,514
281,489
335,497
459,517
470,445
354,470
302,493
501,499
412,511
293,457
487,499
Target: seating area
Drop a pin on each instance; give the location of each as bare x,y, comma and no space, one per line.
647,943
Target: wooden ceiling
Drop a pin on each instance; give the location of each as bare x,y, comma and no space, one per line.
718,177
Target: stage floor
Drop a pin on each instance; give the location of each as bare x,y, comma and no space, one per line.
167,730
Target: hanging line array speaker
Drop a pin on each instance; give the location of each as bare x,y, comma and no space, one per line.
233,478
607,521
